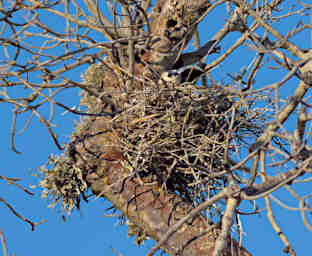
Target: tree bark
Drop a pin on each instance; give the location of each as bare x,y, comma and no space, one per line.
146,205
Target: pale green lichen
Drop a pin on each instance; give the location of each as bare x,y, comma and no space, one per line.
94,74
92,81
64,183
137,232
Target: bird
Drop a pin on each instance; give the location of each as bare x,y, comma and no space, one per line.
179,76
190,74
170,78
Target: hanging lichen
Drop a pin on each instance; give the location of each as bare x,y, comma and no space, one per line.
64,183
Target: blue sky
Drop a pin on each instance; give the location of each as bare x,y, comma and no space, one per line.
88,232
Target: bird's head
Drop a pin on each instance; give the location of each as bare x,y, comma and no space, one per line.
171,77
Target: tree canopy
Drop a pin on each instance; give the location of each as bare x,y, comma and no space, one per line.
192,114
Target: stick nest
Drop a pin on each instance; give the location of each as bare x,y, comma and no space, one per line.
183,135
180,135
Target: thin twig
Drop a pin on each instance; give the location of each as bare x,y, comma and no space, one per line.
4,246
32,224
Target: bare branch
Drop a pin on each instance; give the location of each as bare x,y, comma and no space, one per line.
32,224
4,246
